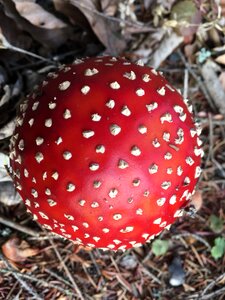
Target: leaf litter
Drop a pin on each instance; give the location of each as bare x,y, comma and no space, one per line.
38,36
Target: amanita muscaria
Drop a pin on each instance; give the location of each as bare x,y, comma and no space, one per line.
106,153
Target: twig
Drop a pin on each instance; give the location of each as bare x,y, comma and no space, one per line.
215,122
212,295
219,166
95,263
147,272
198,80
210,152
7,45
60,278
197,237
90,280
186,78
114,263
43,238
39,281
8,297
18,227
214,282
75,286
208,296
26,286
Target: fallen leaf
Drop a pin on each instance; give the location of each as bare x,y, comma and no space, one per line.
106,29
222,6
188,18
8,195
18,251
5,98
36,15
13,34
109,7
168,44
52,38
196,200
220,59
75,16
216,90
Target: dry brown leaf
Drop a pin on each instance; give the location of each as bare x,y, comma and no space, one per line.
196,200
37,16
8,196
51,38
221,59
107,31
109,7
209,72
188,288
166,47
63,298
14,35
222,5
17,250
73,13
108,274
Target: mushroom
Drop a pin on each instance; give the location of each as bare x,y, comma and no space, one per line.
106,153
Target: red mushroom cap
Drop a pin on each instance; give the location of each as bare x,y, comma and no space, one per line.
106,153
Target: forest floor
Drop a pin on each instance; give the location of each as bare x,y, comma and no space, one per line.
183,39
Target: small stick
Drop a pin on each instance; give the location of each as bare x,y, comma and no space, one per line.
213,294
152,276
198,80
58,277
75,286
186,78
18,227
208,296
7,45
211,284
23,284
39,281
187,234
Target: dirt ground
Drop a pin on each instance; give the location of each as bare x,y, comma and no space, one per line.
183,39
